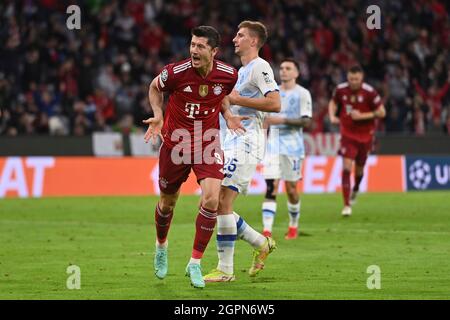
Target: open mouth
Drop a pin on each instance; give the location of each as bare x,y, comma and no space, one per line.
196,59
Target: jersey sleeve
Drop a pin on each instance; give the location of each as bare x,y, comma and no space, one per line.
335,96
305,104
375,100
263,78
167,80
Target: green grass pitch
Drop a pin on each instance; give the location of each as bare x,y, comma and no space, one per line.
111,239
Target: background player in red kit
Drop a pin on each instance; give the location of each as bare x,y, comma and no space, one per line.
197,87
355,105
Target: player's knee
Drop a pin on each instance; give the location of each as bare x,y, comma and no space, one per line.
225,202
166,207
291,190
167,204
210,201
270,191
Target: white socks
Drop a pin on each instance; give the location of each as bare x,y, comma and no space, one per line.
226,237
247,233
294,214
269,208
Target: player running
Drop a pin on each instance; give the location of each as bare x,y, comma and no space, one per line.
285,148
257,93
197,87
355,105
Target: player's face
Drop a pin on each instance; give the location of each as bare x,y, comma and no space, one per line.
355,80
288,71
243,41
201,52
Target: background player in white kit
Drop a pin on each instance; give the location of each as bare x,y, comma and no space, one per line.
256,93
285,148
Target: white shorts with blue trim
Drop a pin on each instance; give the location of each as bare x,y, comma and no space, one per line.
284,167
239,168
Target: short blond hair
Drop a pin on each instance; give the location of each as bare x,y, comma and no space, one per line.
257,29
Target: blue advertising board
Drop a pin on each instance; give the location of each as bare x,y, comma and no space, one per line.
427,173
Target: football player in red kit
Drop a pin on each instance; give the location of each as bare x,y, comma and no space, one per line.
190,135
354,105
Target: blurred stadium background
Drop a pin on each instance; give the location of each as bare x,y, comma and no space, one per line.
84,92
72,104
73,82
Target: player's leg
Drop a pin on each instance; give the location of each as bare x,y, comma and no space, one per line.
238,174
271,173
226,238
237,182
204,228
359,174
291,173
163,219
269,206
360,161
171,176
348,151
261,244
209,175
293,206
346,185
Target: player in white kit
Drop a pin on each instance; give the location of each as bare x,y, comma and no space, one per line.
255,94
285,148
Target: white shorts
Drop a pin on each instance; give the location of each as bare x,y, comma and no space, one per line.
239,168
280,166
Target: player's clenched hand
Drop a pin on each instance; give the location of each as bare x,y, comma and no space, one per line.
154,129
355,114
234,123
234,96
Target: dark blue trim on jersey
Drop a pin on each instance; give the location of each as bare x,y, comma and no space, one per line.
226,237
271,91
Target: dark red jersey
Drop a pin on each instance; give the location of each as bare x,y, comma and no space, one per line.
194,100
365,99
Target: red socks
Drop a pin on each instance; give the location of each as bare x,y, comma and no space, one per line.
162,222
205,223
346,187
357,183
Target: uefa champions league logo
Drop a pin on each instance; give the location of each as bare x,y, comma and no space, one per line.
420,174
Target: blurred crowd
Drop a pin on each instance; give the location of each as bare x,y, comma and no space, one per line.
72,82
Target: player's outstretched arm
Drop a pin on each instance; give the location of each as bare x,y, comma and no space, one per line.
155,123
271,102
332,109
303,122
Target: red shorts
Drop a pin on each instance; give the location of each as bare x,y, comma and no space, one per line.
173,174
355,150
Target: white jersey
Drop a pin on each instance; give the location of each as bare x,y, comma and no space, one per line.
255,80
285,139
